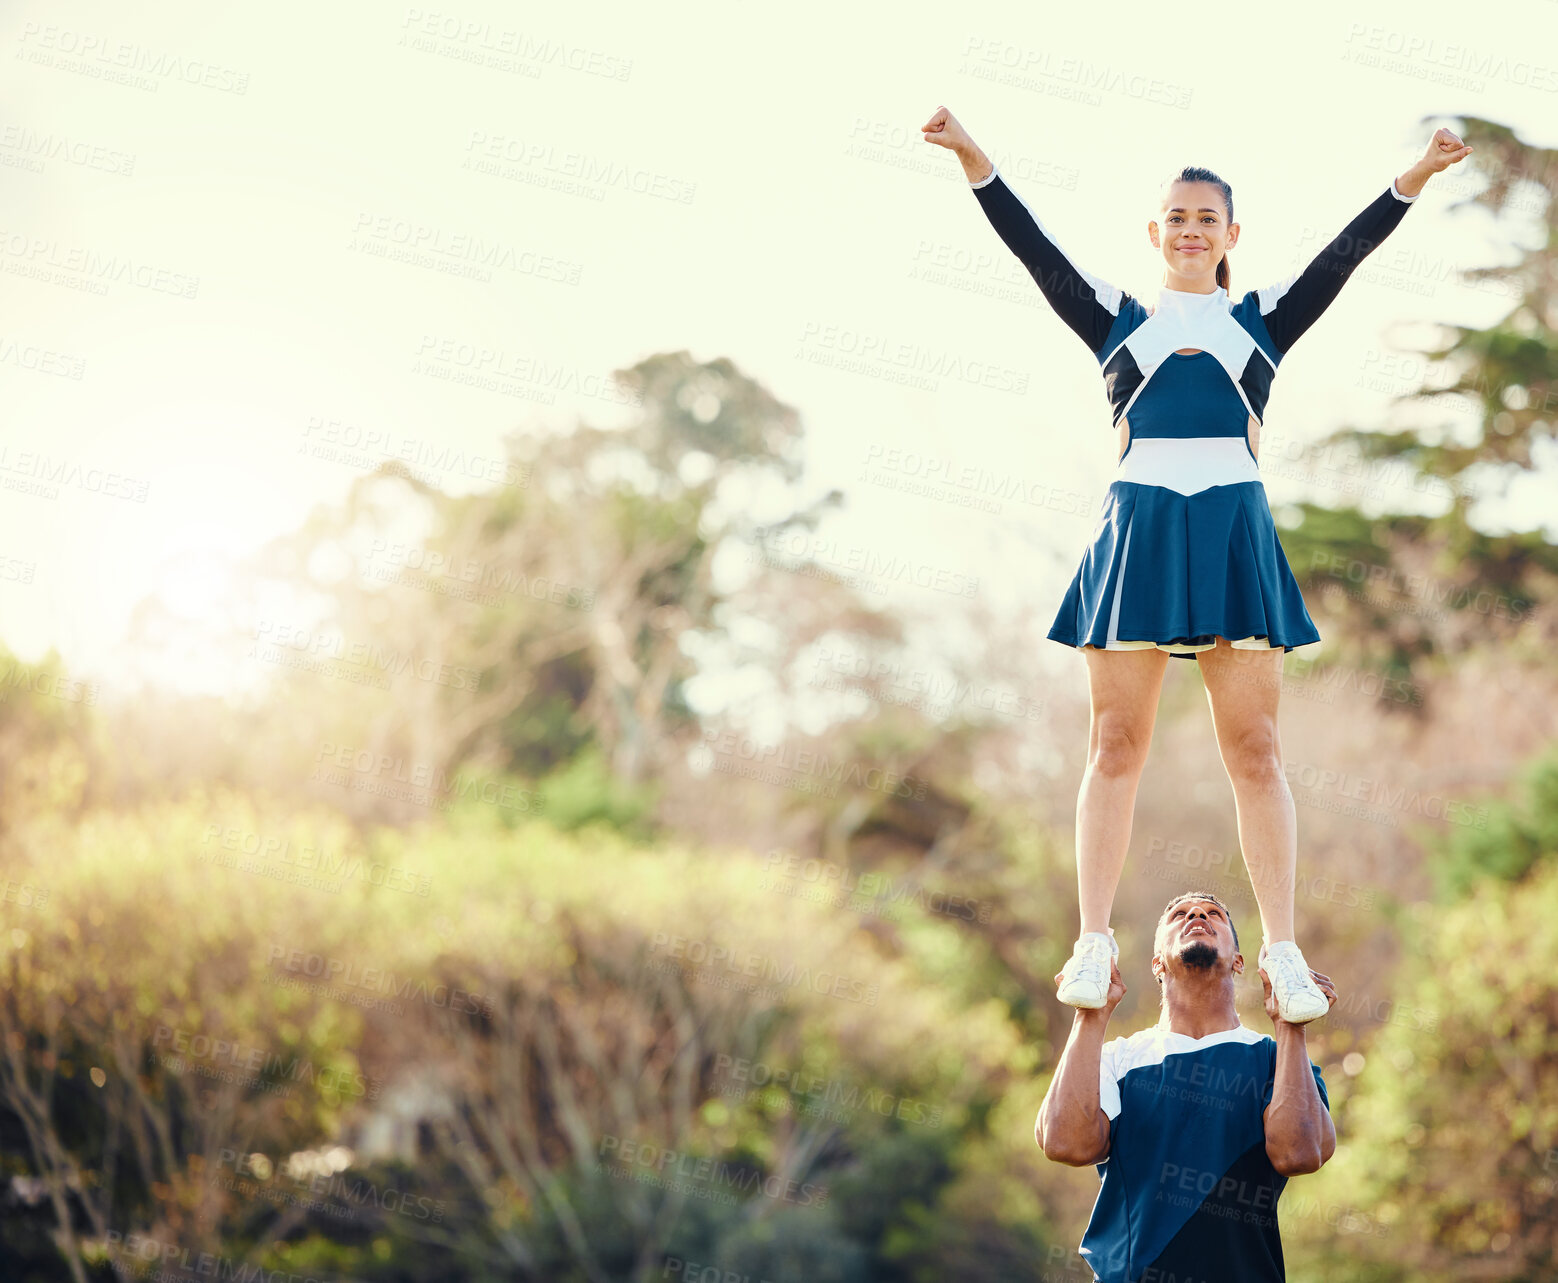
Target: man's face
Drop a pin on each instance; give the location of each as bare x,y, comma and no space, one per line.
1195,935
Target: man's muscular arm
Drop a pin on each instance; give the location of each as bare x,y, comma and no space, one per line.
1300,1136
1072,1126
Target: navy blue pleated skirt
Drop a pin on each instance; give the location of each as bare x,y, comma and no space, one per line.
1179,571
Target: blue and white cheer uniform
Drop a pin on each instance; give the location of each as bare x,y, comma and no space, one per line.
1185,550
1187,1191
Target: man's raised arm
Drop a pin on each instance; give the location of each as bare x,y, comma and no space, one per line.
1300,1136
1072,1126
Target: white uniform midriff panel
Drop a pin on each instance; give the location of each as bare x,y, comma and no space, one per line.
1188,464
1251,433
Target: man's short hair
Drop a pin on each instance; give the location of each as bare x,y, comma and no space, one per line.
1203,895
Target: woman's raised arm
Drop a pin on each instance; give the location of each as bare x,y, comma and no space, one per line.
1087,303
1290,307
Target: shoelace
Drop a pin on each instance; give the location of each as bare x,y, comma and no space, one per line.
1090,966
1295,978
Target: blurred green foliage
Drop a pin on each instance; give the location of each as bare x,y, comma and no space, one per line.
1407,584
1450,1152
264,999
181,955
1520,838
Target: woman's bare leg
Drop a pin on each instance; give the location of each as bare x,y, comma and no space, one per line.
1242,687
1123,687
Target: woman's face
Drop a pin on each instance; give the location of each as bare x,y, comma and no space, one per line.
1192,232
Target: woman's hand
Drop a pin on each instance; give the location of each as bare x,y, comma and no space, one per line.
1444,149
943,130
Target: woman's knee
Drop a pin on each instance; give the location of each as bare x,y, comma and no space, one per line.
1251,755
1118,746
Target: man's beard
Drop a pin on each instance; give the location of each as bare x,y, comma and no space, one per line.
1199,955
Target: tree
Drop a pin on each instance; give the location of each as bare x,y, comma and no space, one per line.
517,626
1412,585
1452,1136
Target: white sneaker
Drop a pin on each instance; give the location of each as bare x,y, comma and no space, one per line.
1299,999
1084,980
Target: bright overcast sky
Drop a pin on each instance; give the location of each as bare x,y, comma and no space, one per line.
200,307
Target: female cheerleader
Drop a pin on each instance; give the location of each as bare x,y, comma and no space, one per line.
1185,560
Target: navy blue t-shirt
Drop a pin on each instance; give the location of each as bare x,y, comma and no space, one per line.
1188,1194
